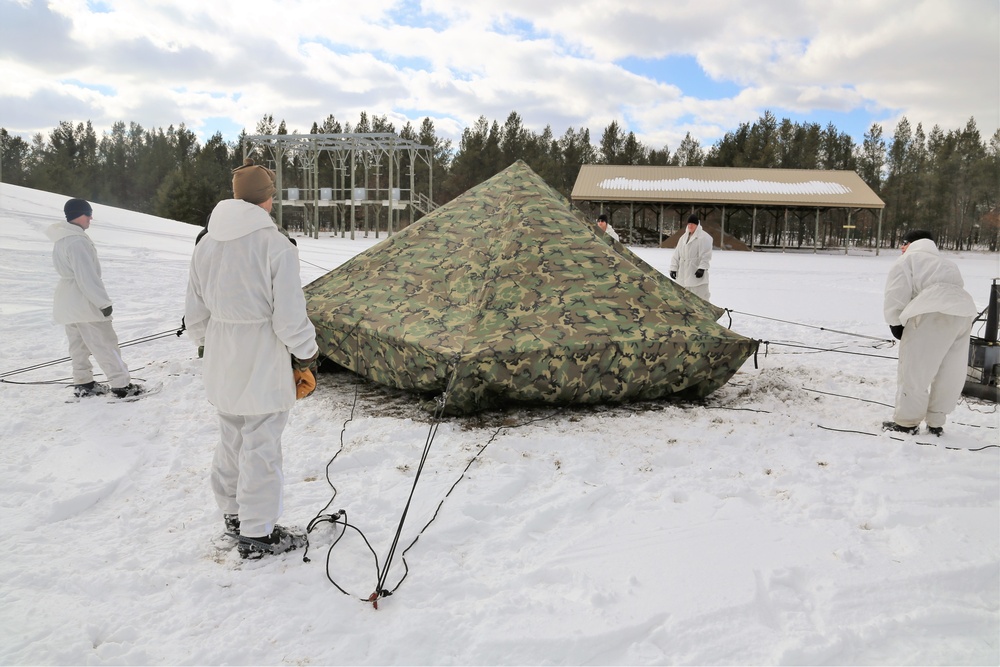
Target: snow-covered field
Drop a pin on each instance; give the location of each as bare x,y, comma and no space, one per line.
774,524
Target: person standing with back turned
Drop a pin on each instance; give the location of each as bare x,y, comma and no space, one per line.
930,313
83,306
245,305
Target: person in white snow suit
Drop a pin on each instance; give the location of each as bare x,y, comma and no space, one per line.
692,257
246,307
605,226
83,307
930,313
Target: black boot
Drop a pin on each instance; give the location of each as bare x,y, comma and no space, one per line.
893,426
128,390
90,389
279,541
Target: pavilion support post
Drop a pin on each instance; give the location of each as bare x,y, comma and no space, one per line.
753,229
878,240
816,234
847,243
661,224
722,239
631,218
784,234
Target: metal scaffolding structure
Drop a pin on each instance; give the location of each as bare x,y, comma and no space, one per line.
365,175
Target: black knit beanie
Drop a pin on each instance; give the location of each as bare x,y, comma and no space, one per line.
916,235
74,208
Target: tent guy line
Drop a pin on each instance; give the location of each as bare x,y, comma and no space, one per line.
811,326
340,516
135,341
916,442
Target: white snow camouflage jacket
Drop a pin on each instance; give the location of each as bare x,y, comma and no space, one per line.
245,304
693,252
920,282
80,294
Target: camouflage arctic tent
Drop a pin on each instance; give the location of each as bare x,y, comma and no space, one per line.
504,295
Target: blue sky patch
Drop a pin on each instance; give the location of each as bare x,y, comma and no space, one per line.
110,91
410,14
683,72
397,61
230,130
516,27
854,123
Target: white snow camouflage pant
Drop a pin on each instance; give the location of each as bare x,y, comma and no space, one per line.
933,362
100,340
246,470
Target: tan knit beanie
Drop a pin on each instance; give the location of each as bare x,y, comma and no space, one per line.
253,183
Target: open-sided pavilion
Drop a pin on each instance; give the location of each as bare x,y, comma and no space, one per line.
761,207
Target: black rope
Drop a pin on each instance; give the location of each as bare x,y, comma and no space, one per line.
825,349
54,362
325,270
67,381
917,442
340,517
889,405
380,590
810,326
350,418
473,459
863,400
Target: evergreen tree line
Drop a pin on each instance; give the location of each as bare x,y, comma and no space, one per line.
944,181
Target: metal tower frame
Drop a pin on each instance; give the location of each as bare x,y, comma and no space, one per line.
351,155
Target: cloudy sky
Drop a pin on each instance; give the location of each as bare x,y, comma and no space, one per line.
659,67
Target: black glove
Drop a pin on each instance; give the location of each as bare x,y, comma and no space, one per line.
897,331
699,273
106,311
673,274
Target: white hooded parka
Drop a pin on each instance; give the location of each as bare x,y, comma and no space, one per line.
245,304
80,294
922,282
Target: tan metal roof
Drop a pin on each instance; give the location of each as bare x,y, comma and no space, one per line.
724,185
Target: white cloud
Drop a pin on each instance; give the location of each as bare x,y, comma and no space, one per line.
554,62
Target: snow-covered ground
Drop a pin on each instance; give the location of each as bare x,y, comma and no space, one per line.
773,525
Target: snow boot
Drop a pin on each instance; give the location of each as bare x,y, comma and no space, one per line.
893,426
128,390
936,430
232,523
279,541
90,389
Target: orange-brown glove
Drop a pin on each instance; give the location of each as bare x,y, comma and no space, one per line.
305,383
